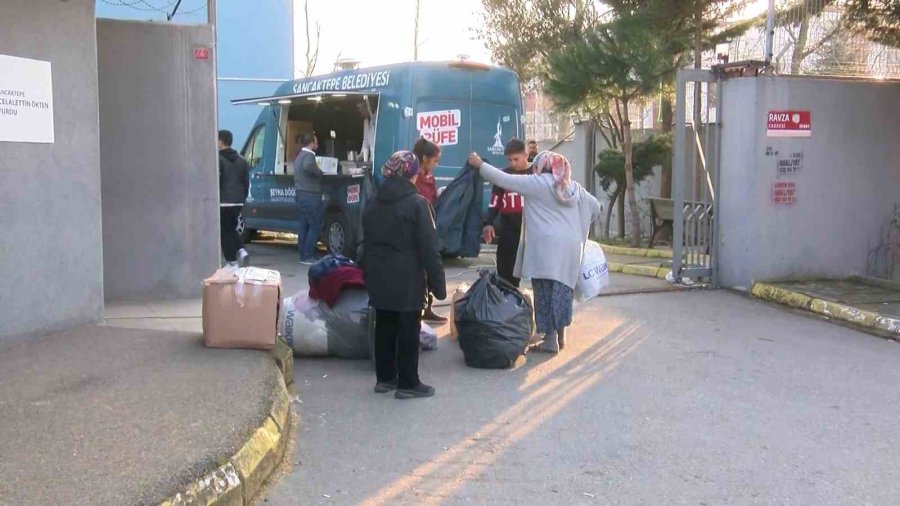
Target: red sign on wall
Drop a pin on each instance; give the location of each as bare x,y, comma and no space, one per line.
789,124
201,53
784,192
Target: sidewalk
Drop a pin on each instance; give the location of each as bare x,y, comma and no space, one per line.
869,304
126,412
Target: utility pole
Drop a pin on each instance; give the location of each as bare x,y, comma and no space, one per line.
416,33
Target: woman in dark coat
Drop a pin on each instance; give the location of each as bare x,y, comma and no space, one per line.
402,265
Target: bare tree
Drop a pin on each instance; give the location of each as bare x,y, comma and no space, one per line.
312,50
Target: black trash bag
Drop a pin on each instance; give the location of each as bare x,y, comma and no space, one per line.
495,323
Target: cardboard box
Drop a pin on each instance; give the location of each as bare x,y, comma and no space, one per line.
240,308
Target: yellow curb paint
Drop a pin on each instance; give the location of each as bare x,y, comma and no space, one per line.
843,312
222,487
257,459
835,310
637,252
780,295
615,267
281,407
663,272
640,270
284,358
888,325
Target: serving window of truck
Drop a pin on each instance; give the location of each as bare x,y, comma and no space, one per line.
360,118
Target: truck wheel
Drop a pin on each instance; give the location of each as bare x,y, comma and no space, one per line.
339,236
246,234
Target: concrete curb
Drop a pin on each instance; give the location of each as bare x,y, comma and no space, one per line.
640,270
237,481
636,252
866,321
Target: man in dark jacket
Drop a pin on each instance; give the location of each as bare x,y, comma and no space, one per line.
402,264
234,183
508,206
310,199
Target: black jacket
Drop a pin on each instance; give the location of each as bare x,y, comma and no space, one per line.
234,177
400,253
458,214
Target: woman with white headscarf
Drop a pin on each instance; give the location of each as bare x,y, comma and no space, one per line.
556,218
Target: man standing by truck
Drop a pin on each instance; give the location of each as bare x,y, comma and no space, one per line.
532,150
508,206
234,183
309,197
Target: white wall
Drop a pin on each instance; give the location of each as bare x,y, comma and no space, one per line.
847,187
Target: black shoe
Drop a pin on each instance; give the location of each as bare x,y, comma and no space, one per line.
383,387
420,392
431,316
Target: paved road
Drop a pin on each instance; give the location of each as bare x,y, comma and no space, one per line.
697,397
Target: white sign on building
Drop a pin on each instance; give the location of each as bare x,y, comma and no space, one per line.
26,100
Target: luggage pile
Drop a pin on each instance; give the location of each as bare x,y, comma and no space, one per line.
333,317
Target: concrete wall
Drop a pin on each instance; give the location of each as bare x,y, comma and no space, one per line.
846,189
158,159
256,44
50,245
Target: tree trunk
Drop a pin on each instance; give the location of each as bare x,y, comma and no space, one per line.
666,182
800,45
629,180
620,214
613,199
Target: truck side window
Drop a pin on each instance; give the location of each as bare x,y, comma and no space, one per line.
254,154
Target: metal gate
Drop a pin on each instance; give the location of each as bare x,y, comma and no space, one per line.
695,174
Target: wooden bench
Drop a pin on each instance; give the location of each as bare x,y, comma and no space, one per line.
662,210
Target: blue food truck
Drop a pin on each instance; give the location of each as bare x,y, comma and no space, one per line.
461,106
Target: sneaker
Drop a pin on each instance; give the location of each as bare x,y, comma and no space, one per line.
243,258
419,392
383,387
431,316
307,261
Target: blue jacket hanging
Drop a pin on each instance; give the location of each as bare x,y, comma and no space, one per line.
458,215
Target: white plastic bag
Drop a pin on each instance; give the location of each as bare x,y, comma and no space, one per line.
594,276
428,338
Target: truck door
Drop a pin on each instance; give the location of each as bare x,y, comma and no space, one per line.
492,126
253,153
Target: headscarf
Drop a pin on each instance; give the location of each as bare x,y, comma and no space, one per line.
402,163
558,166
